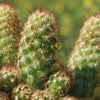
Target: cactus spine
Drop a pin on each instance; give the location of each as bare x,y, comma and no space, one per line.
37,47
84,61
9,37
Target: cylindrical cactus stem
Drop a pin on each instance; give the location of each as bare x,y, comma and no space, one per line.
10,76
38,46
84,62
9,34
59,84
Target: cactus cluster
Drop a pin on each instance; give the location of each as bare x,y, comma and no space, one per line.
37,47
9,35
26,64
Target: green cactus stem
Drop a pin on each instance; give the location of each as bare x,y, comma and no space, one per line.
37,47
9,35
84,62
59,84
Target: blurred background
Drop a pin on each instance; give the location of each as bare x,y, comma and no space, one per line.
70,15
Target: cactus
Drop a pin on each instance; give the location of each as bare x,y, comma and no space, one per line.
59,84
9,77
9,37
84,61
4,96
37,47
22,92
42,95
